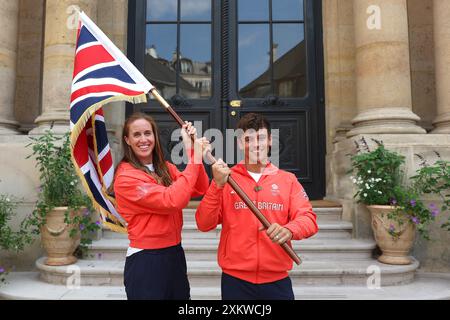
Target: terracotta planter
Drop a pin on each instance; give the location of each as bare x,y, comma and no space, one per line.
56,239
395,249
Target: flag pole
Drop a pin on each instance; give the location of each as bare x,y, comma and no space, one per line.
230,180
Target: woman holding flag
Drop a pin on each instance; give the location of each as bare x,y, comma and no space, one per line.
150,195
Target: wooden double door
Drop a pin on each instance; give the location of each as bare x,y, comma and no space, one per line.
215,61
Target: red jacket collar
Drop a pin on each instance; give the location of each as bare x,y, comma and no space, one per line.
270,169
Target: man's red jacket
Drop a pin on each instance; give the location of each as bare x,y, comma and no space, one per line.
244,251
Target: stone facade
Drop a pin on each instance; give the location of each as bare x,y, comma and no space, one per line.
385,78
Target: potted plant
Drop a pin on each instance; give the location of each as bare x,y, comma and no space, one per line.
62,213
395,207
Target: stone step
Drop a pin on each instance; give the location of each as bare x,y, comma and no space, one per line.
208,273
327,230
323,214
313,273
206,249
426,286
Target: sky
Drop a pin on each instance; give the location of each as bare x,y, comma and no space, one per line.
253,39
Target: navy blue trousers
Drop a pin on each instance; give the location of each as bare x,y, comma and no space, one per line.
237,289
157,274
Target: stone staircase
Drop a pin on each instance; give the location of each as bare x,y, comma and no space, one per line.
332,258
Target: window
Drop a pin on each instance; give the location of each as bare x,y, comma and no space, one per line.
178,46
271,48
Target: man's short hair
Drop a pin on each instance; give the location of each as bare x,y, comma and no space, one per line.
253,121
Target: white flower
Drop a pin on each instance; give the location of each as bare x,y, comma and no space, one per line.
369,171
365,194
367,186
72,184
380,192
7,200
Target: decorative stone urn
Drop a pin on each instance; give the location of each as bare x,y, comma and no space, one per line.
56,239
395,248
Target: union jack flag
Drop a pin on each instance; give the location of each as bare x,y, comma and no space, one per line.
102,74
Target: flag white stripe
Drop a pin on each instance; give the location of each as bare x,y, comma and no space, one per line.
94,94
87,45
99,118
105,81
93,68
108,177
103,153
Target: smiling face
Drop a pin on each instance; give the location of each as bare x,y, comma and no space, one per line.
255,145
141,139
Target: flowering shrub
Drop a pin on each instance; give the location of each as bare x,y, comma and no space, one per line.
407,204
59,186
377,173
435,179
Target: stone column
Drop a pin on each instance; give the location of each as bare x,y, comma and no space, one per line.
383,78
59,52
9,13
441,14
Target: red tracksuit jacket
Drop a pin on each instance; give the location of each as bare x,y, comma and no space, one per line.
245,252
154,212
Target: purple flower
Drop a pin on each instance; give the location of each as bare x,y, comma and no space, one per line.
86,212
391,228
415,220
2,270
413,203
81,227
432,206
98,223
393,201
434,212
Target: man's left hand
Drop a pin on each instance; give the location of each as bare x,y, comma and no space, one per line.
277,233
